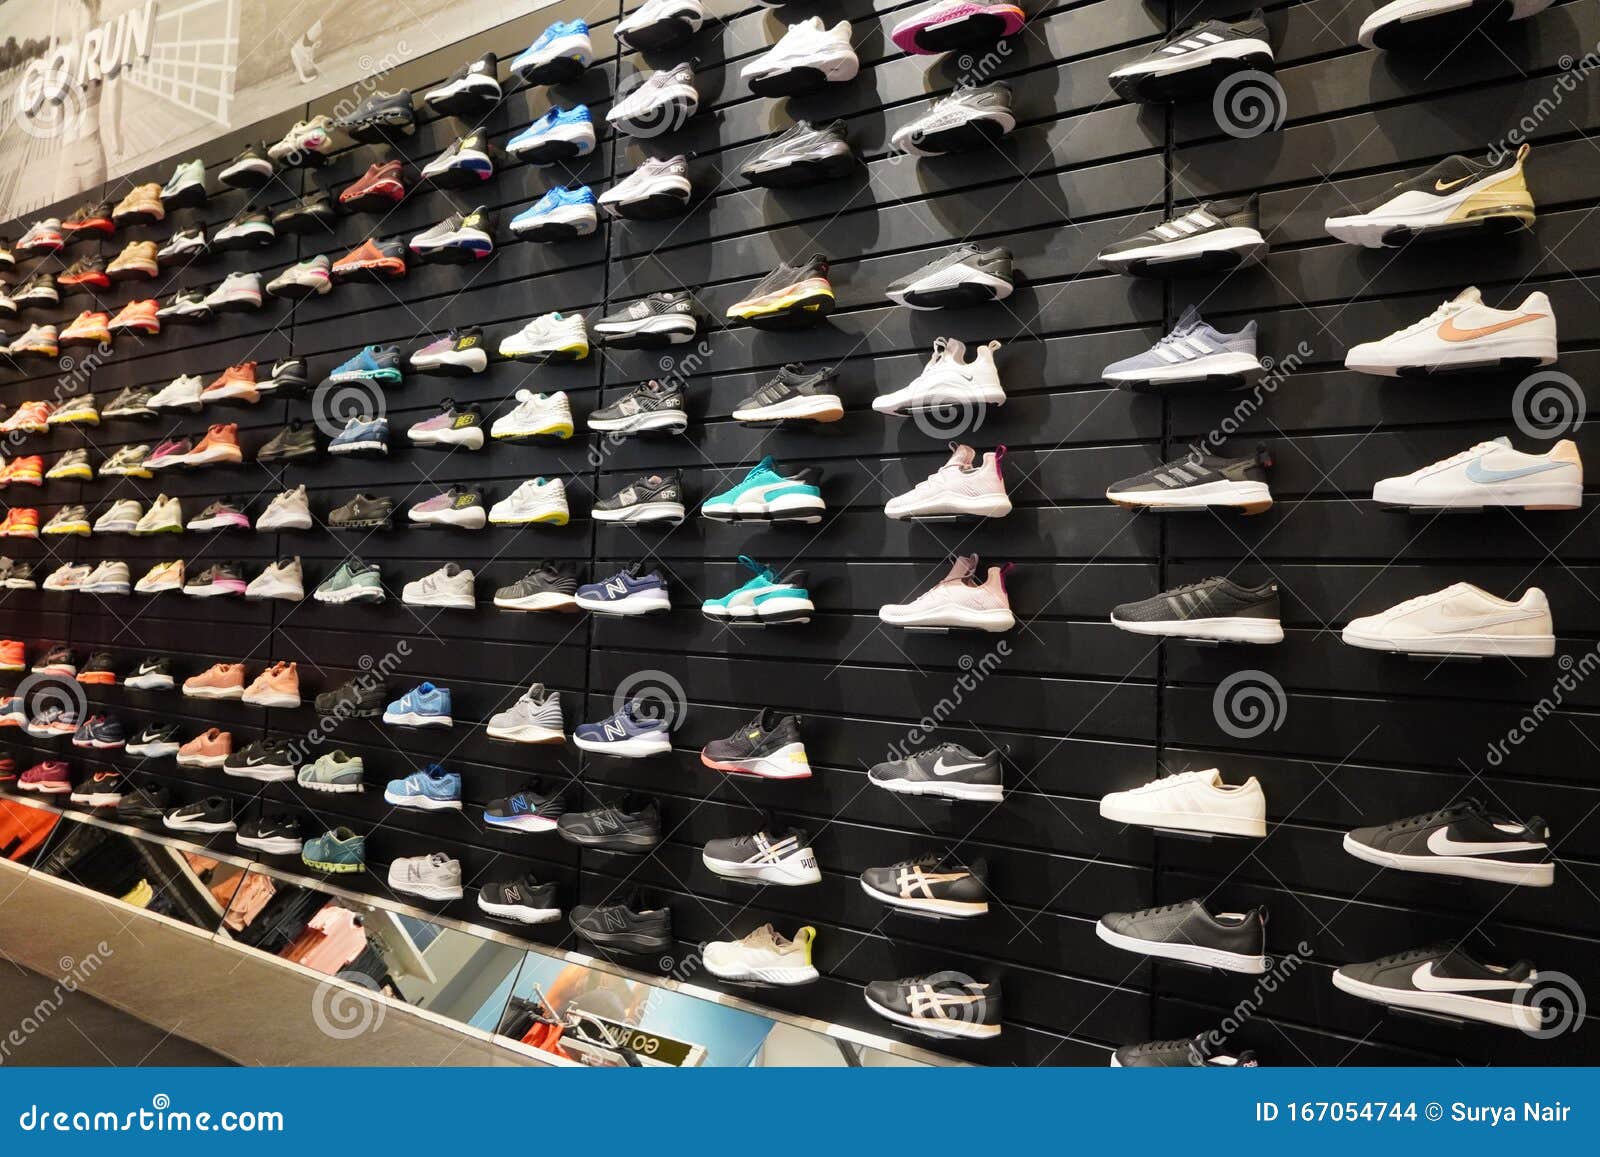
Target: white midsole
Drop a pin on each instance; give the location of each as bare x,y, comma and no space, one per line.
763,507
956,276
272,699
421,803
520,912
1212,365
1467,867
1493,646
659,323
976,505
800,406
277,845
922,904
543,601
1524,1017
642,603
265,773
527,733
625,748
1567,495
949,616
1483,351
416,719
771,974
767,608
331,788
1193,953
792,875
1224,492
1231,630
426,891
470,518
642,512
1188,821
582,216
447,602
937,396
983,792
640,423
935,1026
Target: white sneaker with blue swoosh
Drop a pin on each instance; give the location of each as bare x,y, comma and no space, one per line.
1491,474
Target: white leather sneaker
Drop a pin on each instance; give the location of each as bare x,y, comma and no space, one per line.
1492,474
1460,620
1193,801
1463,334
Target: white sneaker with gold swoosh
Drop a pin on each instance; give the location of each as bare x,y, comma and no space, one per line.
1456,196
1460,620
1464,334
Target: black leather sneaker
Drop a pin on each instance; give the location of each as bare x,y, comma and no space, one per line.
640,923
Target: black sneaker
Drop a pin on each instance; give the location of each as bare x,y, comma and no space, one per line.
143,803
288,377
471,89
794,393
636,924
296,441
103,732
649,408
533,809
358,698
133,402
549,586
933,884
1214,609
363,512
184,246
966,275
1179,1054
650,498
523,899
631,825
251,169
1443,978
58,660
773,855
802,154
313,214
156,740
380,117
1199,57
154,673
212,814
768,746
1217,235
652,322
186,307
277,834
102,788
1464,839
1199,481
223,514
101,668
249,228
948,770
267,760
941,1004
217,580
1231,941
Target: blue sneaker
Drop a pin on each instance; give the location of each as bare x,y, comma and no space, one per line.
1195,351
431,789
560,134
560,53
531,810
628,734
631,591
362,436
376,363
769,495
764,599
424,706
559,213
340,850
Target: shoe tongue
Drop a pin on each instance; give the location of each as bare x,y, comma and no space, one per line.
1502,441
1189,319
1468,296
962,568
961,456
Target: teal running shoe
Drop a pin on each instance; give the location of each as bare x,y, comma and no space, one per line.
768,495
340,850
375,363
766,598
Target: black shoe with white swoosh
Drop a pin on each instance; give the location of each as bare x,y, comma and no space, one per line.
1443,979
1464,839
267,760
948,770
1199,57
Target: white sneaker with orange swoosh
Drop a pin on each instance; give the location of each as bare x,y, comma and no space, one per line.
1464,334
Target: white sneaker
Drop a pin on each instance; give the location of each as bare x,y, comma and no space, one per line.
656,187
660,23
536,500
109,578
1490,474
963,486
434,877
284,579
288,511
237,291
949,380
303,277
182,393
662,102
66,577
312,136
1463,333
549,337
1195,801
449,586
535,416
165,516
810,55
765,956
1460,620
122,518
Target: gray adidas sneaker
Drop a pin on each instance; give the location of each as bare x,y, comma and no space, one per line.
1194,353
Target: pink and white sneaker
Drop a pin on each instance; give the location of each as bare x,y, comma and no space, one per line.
51,777
962,488
952,24
959,601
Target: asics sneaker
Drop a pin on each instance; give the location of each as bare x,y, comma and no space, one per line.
935,885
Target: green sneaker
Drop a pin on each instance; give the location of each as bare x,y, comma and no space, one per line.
354,582
334,771
340,850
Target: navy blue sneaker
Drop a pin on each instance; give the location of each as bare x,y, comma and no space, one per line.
101,731
362,436
633,590
627,734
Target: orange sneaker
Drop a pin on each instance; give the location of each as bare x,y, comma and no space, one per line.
208,749
277,686
30,418
219,681
13,655
371,261
137,317
234,384
21,522
221,444
137,259
88,328
27,470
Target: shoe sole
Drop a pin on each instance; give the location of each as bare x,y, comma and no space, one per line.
1188,953
950,909
792,876
519,912
1218,629
634,943
1462,867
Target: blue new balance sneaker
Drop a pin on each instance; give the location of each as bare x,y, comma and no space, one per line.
431,789
559,213
1194,352
766,494
561,134
560,53
376,363
362,436
766,598
628,734
633,590
424,706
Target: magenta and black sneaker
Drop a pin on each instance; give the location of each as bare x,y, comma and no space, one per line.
172,452
52,777
220,578
223,514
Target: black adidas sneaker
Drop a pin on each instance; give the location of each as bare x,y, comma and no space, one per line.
1214,609
1197,58
1464,839
793,394
1217,235
1198,481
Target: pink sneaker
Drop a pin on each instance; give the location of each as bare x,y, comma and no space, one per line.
50,778
958,488
959,601
172,452
952,24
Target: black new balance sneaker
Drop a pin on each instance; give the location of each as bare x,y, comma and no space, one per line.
1197,58
523,899
651,498
768,746
549,586
941,1004
1217,235
535,808
651,407
1213,609
1179,1054
1199,481
277,834
637,924
267,760
357,698
1464,839
1443,979
772,855
948,770
1232,941
631,825
363,512
793,394
652,322
937,885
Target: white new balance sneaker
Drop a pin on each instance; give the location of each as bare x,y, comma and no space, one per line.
948,380
1460,620
1491,474
549,337
1194,801
536,500
535,416
450,586
1464,334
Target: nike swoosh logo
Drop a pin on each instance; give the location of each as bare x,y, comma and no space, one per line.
942,768
1441,844
1449,331
1442,186
1425,979
1478,472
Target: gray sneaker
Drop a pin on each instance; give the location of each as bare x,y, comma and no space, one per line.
535,718
1194,353
354,582
969,118
334,772
434,877
802,155
966,275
